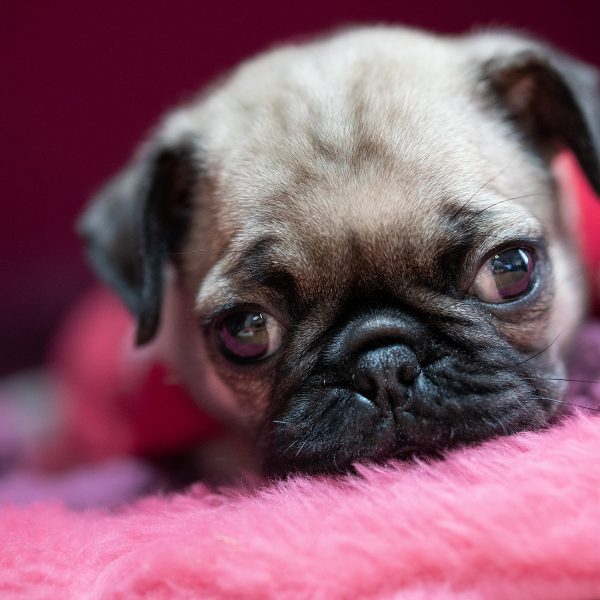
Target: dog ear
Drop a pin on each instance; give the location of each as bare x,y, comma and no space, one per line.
554,98
135,221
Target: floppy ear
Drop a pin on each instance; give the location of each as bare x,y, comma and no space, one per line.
135,222
553,98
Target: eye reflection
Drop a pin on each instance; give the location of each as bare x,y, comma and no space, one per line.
249,335
505,276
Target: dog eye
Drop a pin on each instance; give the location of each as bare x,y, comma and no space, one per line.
248,336
505,276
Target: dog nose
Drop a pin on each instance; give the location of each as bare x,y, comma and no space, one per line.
385,372
373,331
373,353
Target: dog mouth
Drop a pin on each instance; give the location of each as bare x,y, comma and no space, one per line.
331,426
399,434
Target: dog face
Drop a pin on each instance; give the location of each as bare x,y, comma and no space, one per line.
369,256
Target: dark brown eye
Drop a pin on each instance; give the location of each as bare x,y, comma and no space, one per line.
249,336
505,276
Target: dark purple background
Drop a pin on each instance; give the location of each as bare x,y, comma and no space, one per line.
82,81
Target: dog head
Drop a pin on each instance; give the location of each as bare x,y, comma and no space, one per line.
369,254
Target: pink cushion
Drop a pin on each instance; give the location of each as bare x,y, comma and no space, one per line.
514,518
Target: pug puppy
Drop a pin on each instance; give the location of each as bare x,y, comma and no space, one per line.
354,248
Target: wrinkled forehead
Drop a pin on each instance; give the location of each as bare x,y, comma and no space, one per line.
403,168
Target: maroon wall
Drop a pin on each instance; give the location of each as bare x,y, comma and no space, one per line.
82,82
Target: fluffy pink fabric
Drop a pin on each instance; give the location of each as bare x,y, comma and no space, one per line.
514,518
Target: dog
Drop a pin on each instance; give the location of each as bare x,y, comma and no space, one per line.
354,248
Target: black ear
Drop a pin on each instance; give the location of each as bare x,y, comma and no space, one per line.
133,224
553,98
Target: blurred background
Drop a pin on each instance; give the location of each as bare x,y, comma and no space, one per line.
83,81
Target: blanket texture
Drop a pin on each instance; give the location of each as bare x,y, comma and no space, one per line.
516,517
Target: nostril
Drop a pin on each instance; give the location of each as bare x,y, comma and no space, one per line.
366,385
385,372
407,372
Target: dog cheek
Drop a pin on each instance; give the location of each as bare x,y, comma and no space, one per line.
569,304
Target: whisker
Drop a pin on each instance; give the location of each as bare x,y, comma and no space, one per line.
225,251
583,406
502,425
288,448
462,207
541,351
479,213
301,447
562,379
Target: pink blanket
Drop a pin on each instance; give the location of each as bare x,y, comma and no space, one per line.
513,518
